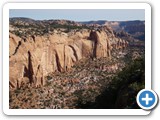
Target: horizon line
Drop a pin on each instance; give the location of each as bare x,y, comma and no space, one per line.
79,21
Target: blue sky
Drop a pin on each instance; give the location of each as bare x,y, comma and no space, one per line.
80,15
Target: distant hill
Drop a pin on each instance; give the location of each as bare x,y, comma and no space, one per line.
30,21
21,19
136,28
26,26
100,22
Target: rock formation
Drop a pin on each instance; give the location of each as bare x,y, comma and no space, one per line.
34,57
101,44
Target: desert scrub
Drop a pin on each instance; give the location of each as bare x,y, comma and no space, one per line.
122,90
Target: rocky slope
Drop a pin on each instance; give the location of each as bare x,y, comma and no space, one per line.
64,89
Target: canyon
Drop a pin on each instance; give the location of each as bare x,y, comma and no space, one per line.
56,64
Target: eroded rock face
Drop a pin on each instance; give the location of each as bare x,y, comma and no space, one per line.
101,44
14,43
34,57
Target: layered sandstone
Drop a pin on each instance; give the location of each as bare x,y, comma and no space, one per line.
34,57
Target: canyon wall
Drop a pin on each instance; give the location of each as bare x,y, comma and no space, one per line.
34,57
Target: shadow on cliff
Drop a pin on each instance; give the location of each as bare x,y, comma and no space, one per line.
122,91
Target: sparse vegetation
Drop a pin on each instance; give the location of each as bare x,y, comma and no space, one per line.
31,27
122,90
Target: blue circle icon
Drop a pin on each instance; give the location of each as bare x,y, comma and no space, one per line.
147,99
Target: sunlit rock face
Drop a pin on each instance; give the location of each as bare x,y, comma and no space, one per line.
32,58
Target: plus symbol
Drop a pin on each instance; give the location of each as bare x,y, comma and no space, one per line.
147,99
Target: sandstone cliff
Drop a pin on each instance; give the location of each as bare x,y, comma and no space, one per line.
34,57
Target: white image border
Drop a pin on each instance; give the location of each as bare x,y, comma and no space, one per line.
9,6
